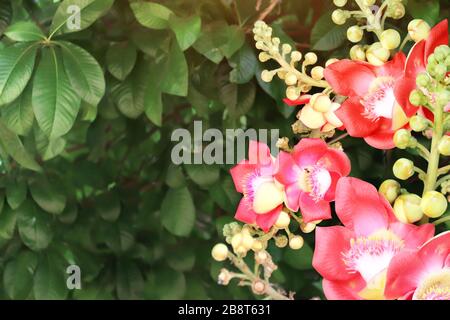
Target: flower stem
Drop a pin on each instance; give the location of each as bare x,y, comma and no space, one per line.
441,220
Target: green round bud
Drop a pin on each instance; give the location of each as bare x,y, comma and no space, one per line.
390,189
403,168
433,204
443,98
418,123
442,52
407,208
444,146
416,98
402,138
423,80
439,71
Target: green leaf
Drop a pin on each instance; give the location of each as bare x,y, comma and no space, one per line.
165,284
178,212
108,206
48,149
84,72
24,31
299,259
130,281
203,175
151,15
244,64
34,226
175,77
120,59
238,99
49,279
16,68
55,102
6,13
18,275
8,219
48,195
12,144
175,177
187,30
326,35
231,39
427,10
182,259
153,96
89,12
18,115
16,193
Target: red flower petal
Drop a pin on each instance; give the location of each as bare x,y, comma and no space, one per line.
267,220
415,62
301,100
343,290
244,212
413,236
351,114
287,170
349,78
393,68
240,172
336,160
331,242
312,210
438,36
331,193
383,137
358,206
402,90
292,197
309,151
259,153
436,250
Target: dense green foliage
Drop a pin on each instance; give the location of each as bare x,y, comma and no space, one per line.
86,119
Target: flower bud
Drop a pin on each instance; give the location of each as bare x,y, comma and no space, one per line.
402,138
403,168
390,39
292,93
261,257
357,53
264,56
444,146
310,58
369,2
355,34
418,30
281,241
258,245
418,123
291,79
267,75
442,52
331,61
423,80
283,220
224,277
296,242
433,204
443,98
296,56
407,208
307,227
340,3
416,98
396,10
219,252
258,287
339,16
317,73
390,189
286,48
321,102
377,54
439,71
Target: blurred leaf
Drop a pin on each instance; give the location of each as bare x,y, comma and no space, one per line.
151,15
178,212
186,30
165,284
129,280
49,279
24,31
427,10
18,115
203,175
120,59
18,275
5,15
108,206
8,219
326,35
16,193
244,65
299,259
48,195
175,74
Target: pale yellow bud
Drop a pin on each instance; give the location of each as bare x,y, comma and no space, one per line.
390,189
264,56
377,54
390,39
444,146
357,53
403,168
258,245
286,48
296,242
434,204
339,16
418,30
219,252
292,93
407,208
317,73
291,79
296,56
267,75
310,58
331,61
355,34
307,227
258,287
321,102
283,220
369,2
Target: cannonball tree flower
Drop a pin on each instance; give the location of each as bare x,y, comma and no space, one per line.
309,175
318,113
372,110
263,196
353,258
423,273
416,63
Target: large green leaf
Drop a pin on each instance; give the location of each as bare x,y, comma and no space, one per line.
49,279
186,30
16,68
176,74
130,281
48,149
89,12
18,275
151,15
16,193
18,115
12,144
5,15
326,35
24,31
48,195
178,212
8,219
108,206
153,96
84,72
244,64
120,59
203,175
55,102
34,226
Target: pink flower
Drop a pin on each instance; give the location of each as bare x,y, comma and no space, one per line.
263,196
353,259
309,175
421,274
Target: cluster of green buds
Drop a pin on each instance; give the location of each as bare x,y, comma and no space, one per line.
288,58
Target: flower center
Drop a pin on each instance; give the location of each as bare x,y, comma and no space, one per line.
434,287
371,255
314,180
380,100
263,192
